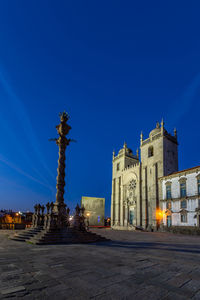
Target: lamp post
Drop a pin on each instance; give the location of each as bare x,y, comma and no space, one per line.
88,223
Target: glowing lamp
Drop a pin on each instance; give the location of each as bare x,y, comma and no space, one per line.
160,214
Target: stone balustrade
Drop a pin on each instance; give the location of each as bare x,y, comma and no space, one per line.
46,217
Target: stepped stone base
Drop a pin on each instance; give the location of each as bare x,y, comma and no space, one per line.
70,235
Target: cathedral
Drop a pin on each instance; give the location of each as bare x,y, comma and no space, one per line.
136,190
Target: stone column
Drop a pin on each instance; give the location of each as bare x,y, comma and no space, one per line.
128,209
122,207
113,203
59,209
117,202
126,215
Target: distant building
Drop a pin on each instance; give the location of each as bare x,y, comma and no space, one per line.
94,210
181,198
15,220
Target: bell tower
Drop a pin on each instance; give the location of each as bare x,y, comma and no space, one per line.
159,157
120,162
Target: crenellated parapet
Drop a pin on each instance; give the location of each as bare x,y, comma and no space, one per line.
158,132
128,168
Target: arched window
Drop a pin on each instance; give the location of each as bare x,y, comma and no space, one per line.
150,151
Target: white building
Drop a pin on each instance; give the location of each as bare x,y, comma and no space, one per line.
181,198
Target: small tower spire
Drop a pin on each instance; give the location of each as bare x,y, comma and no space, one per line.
175,133
141,137
157,125
113,154
125,145
137,153
162,126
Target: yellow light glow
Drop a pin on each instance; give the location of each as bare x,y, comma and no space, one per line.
87,214
160,214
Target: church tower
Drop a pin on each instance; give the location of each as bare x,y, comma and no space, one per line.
123,160
159,157
136,192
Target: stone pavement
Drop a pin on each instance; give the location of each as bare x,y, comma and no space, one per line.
134,265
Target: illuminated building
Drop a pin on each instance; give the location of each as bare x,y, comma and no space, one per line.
136,191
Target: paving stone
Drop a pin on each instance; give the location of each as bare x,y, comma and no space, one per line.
179,281
193,286
12,290
196,296
175,296
134,265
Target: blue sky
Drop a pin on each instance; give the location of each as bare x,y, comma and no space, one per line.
117,67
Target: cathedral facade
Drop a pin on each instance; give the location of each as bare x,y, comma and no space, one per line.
136,190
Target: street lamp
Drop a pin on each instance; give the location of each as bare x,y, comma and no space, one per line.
87,220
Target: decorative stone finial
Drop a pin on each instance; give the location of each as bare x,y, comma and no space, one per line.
64,116
141,137
157,125
137,153
162,127
125,145
113,154
175,132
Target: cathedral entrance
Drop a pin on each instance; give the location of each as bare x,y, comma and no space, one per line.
129,203
131,217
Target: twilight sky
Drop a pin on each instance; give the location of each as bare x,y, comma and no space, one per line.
117,67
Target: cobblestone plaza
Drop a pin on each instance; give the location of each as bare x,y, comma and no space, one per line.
134,265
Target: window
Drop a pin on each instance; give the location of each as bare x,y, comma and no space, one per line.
183,204
183,189
118,166
150,151
168,191
184,218
198,186
169,205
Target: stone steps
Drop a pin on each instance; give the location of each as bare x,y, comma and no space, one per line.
69,235
27,234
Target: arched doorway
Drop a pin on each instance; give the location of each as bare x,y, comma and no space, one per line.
130,203
131,217
169,221
168,214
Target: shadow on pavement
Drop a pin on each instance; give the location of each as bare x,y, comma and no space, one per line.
151,246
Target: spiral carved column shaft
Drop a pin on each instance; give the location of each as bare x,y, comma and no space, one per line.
62,142
61,173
